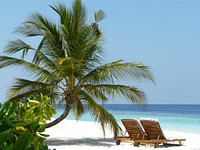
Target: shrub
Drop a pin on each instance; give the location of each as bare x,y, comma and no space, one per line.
22,124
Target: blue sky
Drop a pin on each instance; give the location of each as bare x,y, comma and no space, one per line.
163,34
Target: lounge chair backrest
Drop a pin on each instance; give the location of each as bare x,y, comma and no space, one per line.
152,129
134,129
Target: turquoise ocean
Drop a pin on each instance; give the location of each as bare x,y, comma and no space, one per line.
183,118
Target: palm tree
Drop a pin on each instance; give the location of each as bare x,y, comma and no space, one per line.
67,65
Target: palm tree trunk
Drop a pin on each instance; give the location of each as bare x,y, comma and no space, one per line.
62,116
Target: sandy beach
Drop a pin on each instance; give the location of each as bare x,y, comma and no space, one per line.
85,135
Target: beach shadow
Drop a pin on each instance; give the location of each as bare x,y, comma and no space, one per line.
108,142
169,145
161,145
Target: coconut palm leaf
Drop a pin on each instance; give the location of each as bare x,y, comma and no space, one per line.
16,46
131,93
79,14
99,16
100,114
61,10
34,69
78,109
29,30
114,71
25,87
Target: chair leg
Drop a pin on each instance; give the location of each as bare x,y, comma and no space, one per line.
156,145
118,142
165,143
137,144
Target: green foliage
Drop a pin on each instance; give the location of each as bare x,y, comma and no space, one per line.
22,124
37,107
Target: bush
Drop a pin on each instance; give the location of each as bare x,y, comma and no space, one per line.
22,124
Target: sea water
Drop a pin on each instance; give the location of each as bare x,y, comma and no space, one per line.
183,118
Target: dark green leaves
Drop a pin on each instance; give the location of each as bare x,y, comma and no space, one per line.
21,126
23,141
4,136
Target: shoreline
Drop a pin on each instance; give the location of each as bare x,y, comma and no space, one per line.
72,134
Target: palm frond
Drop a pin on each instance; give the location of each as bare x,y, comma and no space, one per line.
16,46
41,58
61,10
38,57
29,29
79,14
91,47
34,69
100,114
99,16
96,93
131,93
22,88
116,71
41,22
78,109
65,27
50,33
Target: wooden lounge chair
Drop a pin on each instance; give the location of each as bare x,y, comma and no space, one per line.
154,132
134,130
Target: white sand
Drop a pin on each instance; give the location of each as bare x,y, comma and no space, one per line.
85,135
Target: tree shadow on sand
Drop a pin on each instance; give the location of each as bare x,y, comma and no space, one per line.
108,142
